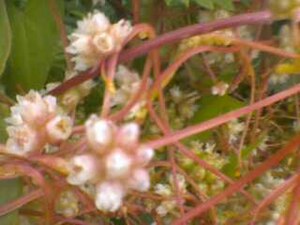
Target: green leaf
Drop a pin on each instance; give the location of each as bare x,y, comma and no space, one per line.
5,36
34,40
225,4
9,191
177,2
212,106
208,4
4,113
231,167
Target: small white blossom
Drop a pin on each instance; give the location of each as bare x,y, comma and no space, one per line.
95,38
163,190
220,88
140,180
235,129
128,83
128,135
93,23
59,129
22,139
33,109
99,133
83,168
165,207
278,79
117,164
144,155
109,196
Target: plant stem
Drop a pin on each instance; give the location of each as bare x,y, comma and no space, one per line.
261,17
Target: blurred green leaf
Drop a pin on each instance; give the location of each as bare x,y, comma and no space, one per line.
34,40
212,106
231,168
224,4
5,36
208,4
9,191
177,2
4,113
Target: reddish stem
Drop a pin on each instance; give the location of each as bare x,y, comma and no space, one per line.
173,137
186,32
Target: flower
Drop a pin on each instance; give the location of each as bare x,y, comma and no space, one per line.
278,78
109,196
128,83
95,38
99,133
83,168
220,88
34,122
22,139
115,163
59,129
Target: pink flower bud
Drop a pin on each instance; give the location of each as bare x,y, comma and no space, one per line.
22,140
83,168
117,164
139,180
99,133
128,135
144,155
58,129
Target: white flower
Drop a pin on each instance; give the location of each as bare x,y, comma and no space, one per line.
104,43
59,128
278,79
163,190
165,207
144,155
128,83
95,38
33,109
93,24
220,88
139,180
117,164
83,168
99,133
22,140
176,94
121,30
235,128
128,135
109,196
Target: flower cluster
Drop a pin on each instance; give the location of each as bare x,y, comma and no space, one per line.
114,163
167,191
35,121
95,38
128,83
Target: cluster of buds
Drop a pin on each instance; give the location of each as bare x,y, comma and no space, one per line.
114,163
35,122
128,83
95,38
